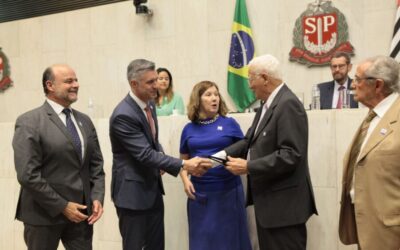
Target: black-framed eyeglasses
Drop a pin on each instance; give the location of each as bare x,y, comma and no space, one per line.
338,66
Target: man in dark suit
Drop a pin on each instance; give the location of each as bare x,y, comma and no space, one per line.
333,94
136,186
60,168
275,149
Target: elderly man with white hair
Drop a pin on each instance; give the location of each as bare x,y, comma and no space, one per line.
273,154
370,204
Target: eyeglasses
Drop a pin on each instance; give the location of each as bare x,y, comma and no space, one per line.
360,79
338,66
253,77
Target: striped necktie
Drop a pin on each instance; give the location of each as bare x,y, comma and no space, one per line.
355,150
339,104
73,132
151,121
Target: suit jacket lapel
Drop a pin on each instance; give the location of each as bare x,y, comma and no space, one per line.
57,121
382,130
329,98
81,127
268,113
142,116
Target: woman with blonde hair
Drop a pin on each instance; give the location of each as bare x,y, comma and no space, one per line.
216,208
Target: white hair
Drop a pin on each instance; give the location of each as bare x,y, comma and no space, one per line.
267,64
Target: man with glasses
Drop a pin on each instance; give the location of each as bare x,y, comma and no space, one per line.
370,201
333,94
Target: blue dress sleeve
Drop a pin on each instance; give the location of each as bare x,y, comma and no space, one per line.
235,130
183,147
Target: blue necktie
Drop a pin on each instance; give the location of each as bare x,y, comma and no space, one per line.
73,132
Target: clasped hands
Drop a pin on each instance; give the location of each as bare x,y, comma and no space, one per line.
73,212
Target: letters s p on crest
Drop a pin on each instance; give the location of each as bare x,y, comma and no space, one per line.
319,32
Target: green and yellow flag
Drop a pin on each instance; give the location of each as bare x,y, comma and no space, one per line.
241,52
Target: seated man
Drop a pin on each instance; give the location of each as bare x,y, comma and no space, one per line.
332,93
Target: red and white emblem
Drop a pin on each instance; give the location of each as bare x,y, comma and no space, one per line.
319,32
5,80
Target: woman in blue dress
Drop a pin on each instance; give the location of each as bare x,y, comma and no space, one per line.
216,207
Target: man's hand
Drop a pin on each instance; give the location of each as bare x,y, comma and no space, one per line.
236,166
197,166
71,211
97,211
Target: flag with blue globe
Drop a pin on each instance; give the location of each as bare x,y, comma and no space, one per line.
241,52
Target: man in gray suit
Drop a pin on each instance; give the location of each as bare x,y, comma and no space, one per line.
273,154
136,186
60,168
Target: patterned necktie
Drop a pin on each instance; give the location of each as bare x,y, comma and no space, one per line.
355,150
151,121
73,132
339,104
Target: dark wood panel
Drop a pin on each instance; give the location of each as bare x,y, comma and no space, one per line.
11,10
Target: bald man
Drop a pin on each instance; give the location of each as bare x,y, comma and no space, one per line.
59,166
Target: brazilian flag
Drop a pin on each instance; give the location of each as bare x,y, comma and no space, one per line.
241,52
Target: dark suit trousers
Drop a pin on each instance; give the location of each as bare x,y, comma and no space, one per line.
73,236
143,229
282,238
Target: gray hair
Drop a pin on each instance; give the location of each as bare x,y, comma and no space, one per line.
137,67
268,64
385,68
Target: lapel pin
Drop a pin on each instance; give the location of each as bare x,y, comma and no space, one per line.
80,124
219,128
383,131
264,133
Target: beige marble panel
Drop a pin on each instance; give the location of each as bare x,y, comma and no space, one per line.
321,148
102,26
9,37
54,35
192,60
30,37
220,15
109,245
7,212
176,227
78,30
322,229
7,156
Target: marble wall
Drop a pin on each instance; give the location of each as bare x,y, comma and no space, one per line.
330,134
190,37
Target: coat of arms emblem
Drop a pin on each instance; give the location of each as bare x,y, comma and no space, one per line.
319,32
5,80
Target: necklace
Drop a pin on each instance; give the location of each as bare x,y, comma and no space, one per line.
206,122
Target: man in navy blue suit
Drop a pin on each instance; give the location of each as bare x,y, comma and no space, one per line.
332,93
138,158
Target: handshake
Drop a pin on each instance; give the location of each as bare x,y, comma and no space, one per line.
198,166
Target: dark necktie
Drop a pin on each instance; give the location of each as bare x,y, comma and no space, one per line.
150,120
339,104
355,150
73,132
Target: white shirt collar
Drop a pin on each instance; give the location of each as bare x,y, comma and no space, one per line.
385,104
58,108
141,103
337,85
273,94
